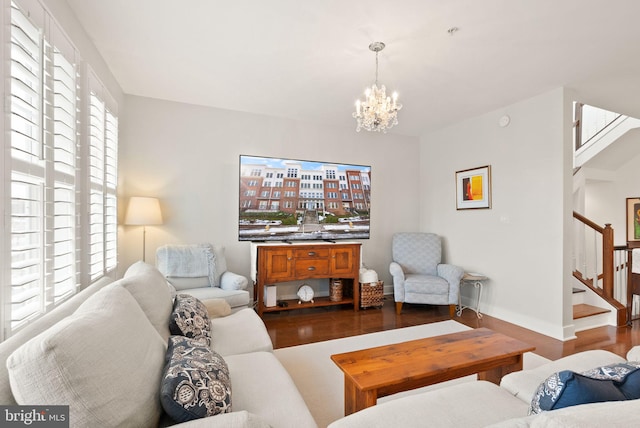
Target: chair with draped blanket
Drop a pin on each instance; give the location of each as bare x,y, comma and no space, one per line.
418,274
201,271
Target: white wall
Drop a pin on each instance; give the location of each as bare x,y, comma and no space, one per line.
605,199
187,156
520,242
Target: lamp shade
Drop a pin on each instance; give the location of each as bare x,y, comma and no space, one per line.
143,211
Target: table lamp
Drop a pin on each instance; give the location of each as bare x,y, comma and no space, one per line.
143,211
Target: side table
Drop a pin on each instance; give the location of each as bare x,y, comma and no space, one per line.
477,280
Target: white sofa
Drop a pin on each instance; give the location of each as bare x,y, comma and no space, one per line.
103,354
484,404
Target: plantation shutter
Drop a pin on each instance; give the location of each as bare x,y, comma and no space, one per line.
103,180
65,138
27,170
111,183
96,187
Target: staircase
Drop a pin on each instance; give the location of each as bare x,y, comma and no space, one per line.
604,141
588,315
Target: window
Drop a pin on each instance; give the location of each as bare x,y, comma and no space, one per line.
331,174
292,173
256,172
47,171
264,194
276,194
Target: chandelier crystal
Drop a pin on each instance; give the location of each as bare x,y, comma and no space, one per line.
377,112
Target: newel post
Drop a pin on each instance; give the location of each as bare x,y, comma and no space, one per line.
607,260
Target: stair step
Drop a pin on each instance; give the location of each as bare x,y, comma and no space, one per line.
583,310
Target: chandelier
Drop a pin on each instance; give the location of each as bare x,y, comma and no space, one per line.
377,112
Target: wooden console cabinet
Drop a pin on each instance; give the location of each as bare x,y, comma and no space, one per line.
293,262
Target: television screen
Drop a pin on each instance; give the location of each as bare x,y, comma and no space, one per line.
292,200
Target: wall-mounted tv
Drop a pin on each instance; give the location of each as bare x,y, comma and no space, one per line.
294,200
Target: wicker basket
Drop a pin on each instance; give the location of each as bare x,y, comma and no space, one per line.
371,294
335,290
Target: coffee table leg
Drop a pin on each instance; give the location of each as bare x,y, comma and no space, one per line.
495,375
355,399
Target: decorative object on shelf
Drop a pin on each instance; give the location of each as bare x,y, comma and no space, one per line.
305,294
633,221
335,290
143,211
377,112
473,188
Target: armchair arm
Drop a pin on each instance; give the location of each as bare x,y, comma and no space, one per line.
453,274
233,281
398,281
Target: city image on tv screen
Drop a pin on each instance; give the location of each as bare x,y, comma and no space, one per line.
293,200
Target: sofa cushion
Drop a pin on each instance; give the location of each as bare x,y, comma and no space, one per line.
245,324
151,291
262,386
615,382
524,383
241,419
195,381
190,318
104,361
466,404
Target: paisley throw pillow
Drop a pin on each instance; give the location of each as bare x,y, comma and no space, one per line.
190,318
195,381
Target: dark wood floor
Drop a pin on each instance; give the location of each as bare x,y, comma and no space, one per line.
290,328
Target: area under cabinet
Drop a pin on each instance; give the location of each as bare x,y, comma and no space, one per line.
278,263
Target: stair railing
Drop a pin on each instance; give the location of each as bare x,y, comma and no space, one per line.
594,264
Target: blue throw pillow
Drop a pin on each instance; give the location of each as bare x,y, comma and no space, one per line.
190,318
195,382
608,383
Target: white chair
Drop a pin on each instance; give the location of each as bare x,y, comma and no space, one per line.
201,271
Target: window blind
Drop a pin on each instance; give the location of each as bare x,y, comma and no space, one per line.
61,199
28,171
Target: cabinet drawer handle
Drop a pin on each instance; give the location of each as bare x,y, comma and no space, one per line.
311,253
311,268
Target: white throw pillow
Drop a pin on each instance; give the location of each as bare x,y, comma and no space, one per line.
105,362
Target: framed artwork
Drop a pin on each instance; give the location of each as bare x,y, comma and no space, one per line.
473,188
633,220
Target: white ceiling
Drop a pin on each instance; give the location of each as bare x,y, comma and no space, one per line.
309,60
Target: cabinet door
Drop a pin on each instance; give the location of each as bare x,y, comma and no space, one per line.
279,264
342,260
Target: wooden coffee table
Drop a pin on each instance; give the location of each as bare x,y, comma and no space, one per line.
385,370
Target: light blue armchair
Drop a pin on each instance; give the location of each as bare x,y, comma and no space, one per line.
418,275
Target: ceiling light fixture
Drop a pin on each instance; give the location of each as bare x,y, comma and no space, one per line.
377,112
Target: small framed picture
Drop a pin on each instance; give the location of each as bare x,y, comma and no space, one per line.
473,188
633,221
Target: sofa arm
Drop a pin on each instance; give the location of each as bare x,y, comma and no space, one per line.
240,419
634,354
233,281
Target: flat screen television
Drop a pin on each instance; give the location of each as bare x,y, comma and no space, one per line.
300,200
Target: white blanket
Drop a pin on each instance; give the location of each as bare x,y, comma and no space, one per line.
635,263
186,261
